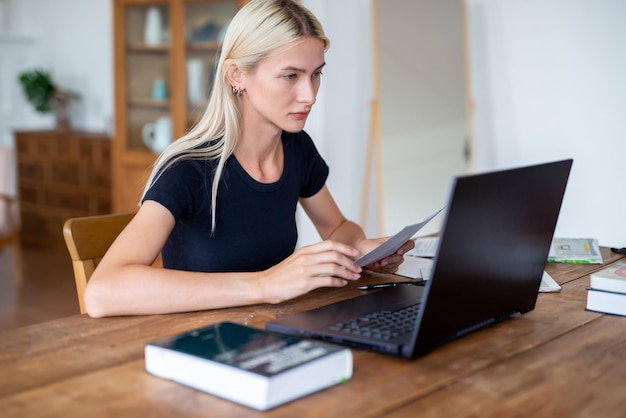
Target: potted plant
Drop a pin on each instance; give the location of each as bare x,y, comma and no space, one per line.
46,96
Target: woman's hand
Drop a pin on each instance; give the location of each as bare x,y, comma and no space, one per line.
388,264
325,264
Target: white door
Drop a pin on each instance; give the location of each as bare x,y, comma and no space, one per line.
422,99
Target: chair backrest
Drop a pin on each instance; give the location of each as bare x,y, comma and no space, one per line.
88,239
10,232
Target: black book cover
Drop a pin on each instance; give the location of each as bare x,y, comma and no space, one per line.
255,350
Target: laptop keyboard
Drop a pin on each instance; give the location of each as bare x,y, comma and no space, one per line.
384,325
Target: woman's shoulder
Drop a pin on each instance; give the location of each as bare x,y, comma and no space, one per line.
187,170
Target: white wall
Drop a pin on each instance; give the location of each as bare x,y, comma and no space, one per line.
422,108
549,82
3,18
75,40
16,54
339,123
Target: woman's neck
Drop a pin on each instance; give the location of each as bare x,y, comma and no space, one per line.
261,157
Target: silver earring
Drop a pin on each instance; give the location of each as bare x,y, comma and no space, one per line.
238,92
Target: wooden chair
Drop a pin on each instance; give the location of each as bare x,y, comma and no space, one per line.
10,234
88,239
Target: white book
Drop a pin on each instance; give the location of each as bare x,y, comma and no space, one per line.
575,250
606,302
250,366
612,278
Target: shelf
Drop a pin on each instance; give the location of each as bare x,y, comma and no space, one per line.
147,102
143,47
203,46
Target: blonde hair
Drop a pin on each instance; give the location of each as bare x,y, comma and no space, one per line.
258,28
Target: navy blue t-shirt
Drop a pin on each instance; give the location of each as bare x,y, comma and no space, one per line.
255,222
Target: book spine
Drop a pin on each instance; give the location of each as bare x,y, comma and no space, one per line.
579,261
606,302
208,376
607,284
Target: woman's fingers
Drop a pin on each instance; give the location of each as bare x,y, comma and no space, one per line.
330,258
333,246
406,247
327,281
326,264
391,263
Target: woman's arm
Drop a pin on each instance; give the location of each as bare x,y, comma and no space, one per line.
332,225
125,283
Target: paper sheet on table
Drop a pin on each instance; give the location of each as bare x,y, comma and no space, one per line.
424,247
548,284
413,267
392,244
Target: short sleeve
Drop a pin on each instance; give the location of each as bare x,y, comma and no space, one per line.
180,188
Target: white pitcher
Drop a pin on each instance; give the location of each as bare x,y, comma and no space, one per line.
195,85
158,135
153,28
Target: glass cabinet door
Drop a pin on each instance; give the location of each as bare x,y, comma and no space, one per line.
148,63
205,24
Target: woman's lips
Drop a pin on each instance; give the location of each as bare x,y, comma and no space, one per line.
300,115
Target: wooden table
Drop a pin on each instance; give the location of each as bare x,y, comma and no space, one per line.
556,361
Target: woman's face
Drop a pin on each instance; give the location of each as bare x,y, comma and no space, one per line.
284,86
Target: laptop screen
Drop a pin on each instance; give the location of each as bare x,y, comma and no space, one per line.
492,250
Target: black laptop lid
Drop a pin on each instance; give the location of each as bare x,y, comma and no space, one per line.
492,250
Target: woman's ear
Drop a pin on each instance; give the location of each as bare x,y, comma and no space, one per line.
233,76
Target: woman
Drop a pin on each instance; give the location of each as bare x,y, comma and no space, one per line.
220,203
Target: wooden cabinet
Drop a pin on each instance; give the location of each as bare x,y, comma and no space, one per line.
165,52
60,175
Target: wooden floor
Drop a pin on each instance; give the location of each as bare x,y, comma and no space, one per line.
47,290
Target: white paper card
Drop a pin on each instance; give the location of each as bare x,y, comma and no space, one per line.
392,244
424,247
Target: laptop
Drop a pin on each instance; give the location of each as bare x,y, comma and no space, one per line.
491,256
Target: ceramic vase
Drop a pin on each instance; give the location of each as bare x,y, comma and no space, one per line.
195,85
153,28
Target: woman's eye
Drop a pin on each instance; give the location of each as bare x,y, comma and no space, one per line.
290,76
318,74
